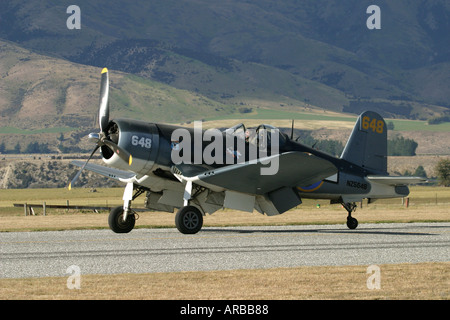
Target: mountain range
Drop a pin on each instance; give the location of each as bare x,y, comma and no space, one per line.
184,60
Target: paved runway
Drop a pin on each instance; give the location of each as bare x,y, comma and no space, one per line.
42,254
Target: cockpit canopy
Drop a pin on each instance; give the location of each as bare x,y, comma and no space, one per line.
237,130
261,135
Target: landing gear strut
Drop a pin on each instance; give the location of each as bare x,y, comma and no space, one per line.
352,223
122,219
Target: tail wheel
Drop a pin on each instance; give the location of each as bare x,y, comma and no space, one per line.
189,220
116,222
352,223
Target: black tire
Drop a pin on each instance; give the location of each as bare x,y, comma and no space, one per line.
116,222
189,220
352,223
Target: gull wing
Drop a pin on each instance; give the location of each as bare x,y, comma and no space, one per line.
290,169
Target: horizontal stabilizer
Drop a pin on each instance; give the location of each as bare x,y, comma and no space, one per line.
396,181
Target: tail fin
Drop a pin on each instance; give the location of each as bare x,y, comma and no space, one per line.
367,145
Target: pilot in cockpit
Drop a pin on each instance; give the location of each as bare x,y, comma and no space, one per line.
250,135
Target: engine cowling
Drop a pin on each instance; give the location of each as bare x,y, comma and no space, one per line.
139,138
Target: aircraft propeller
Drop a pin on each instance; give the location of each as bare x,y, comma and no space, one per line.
103,138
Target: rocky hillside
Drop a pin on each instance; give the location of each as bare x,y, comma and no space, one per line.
46,173
57,173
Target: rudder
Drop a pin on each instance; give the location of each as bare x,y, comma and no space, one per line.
367,145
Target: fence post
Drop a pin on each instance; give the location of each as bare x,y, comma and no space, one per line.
25,209
44,208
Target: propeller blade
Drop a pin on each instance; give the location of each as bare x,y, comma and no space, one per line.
79,172
103,112
122,153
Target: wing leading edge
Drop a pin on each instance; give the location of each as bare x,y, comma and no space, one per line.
105,171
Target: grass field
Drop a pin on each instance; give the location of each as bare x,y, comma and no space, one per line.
425,204
343,120
279,118
398,281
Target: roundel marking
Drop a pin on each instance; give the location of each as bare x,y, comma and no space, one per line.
312,187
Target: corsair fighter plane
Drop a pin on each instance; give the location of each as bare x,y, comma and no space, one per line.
197,171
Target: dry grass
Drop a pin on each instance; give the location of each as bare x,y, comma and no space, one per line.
323,215
426,204
398,281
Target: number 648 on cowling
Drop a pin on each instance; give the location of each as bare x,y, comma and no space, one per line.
141,141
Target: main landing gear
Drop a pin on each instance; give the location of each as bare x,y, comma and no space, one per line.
189,220
116,222
122,219
352,223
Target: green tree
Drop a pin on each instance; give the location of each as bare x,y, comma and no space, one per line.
400,146
420,172
17,148
443,172
36,147
390,125
33,147
333,147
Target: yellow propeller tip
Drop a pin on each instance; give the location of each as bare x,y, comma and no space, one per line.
70,186
104,70
130,160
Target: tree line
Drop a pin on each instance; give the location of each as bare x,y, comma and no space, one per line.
441,170
400,146
32,147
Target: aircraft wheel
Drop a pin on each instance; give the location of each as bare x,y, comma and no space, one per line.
189,220
116,222
352,223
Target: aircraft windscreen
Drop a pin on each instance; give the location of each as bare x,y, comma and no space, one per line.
237,130
261,135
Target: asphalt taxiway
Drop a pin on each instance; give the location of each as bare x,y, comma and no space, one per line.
44,254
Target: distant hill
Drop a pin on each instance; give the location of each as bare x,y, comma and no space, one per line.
39,92
180,60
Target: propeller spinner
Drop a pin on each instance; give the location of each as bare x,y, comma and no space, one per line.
102,138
